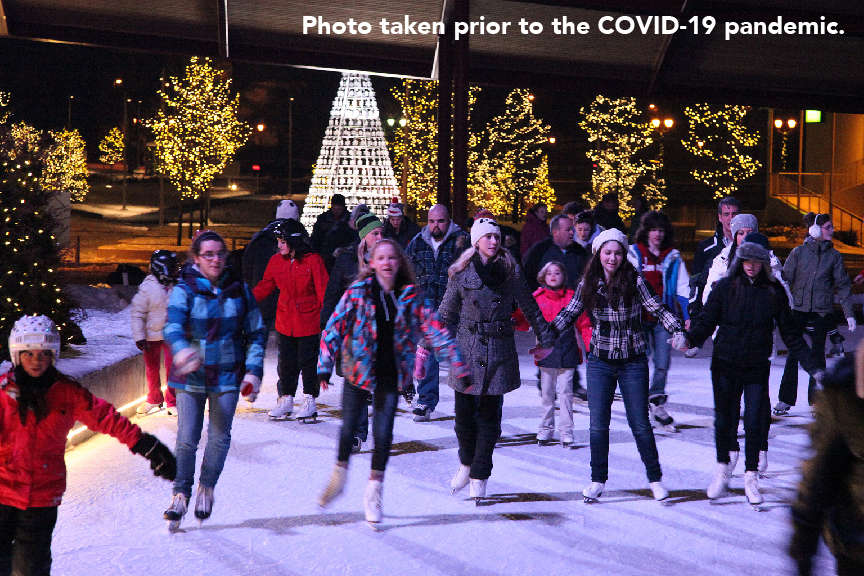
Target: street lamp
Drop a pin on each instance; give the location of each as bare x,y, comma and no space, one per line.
119,82
261,127
784,128
290,147
551,140
69,119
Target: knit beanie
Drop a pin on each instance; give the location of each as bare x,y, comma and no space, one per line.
484,213
395,209
606,236
482,227
743,221
358,210
288,209
366,223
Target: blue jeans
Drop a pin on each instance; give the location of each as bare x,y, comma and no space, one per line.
384,402
658,345
190,423
632,377
427,387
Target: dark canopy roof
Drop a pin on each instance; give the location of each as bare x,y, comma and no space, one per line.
786,70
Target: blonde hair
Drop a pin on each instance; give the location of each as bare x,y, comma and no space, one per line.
541,276
405,274
503,255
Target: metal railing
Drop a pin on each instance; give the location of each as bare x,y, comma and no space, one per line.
806,200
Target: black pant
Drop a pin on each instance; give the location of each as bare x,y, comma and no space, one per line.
729,382
354,408
25,540
296,354
478,427
816,326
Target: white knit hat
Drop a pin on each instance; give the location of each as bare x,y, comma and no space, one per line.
482,227
288,209
606,236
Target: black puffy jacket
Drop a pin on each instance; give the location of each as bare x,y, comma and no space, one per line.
747,323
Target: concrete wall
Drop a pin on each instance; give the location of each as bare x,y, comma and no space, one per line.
119,384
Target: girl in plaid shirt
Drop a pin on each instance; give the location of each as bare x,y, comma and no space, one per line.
615,295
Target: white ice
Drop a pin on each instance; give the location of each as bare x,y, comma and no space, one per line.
265,521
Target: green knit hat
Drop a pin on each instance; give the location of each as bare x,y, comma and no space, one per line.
366,223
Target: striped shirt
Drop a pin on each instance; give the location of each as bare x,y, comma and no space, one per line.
617,332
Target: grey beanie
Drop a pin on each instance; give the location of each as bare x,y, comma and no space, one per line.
743,221
358,210
751,251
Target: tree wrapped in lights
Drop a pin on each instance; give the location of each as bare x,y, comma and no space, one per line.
29,275
65,168
112,147
507,168
718,139
542,192
197,131
620,134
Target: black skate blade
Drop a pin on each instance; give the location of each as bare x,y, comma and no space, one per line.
589,500
375,526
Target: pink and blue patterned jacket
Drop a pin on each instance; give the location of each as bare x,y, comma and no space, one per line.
352,327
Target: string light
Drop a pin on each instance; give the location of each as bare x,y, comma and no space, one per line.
197,131
112,147
66,165
619,131
718,138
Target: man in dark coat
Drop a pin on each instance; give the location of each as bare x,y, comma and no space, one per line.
327,220
606,213
708,249
341,236
398,226
559,247
535,228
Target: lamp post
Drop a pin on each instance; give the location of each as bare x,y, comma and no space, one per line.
784,128
291,148
662,127
119,82
69,116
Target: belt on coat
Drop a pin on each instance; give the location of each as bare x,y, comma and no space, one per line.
499,329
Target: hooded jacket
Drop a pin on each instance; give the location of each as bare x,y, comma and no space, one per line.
814,270
149,309
32,455
407,231
223,323
566,353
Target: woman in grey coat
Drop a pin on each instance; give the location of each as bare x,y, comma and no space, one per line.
484,283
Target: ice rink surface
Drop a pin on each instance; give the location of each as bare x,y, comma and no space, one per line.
534,522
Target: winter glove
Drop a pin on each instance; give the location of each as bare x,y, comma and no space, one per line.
420,363
852,324
250,387
679,341
143,345
161,459
187,360
540,353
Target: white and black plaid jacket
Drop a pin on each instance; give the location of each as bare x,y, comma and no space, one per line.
617,332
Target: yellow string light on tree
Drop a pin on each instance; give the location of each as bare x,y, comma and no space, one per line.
620,132
718,138
197,131
112,147
66,165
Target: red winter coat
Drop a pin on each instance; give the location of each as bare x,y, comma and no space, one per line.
32,462
533,232
301,284
550,303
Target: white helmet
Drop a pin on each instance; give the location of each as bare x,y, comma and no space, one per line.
34,333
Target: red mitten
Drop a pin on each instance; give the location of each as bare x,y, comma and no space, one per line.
420,363
250,387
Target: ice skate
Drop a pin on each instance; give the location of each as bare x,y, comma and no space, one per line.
146,409
691,352
460,480
308,413
733,462
659,416
781,409
422,413
763,463
334,487
171,410
719,486
356,445
283,409
175,512
751,489
372,503
592,492
837,350
567,441
408,394
204,502
544,441
659,491
478,490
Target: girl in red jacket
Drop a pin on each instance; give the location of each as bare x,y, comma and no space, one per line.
556,370
302,281
38,407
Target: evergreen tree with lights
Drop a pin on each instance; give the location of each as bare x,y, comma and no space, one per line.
197,130
542,192
65,165
620,134
112,147
718,138
354,160
507,168
29,275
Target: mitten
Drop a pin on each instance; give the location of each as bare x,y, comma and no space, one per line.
187,360
679,341
250,387
852,324
420,363
143,345
161,459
